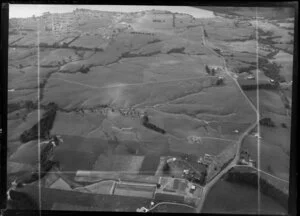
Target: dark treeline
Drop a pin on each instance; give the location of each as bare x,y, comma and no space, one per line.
56,45
176,50
266,188
267,122
45,123
147,124
245,69
154,41
205,33
21,201
267,86
271,70
132,55
29,105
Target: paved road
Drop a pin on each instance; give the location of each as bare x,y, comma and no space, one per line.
233,163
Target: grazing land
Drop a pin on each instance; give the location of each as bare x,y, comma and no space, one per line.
151,111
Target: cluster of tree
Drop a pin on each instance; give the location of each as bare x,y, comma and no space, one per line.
60,45
272,54
266,188
45,125
218,51
267,122
176,50
209,71
245,69
283,125
132,55
154,41
157,20
196,178
271,70
166,168
244,155
84,69
147,124
143,33
220,81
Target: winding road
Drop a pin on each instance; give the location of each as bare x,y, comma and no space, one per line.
169,203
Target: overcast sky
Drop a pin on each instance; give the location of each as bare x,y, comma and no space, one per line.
23,10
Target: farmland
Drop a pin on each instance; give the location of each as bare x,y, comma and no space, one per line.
128,105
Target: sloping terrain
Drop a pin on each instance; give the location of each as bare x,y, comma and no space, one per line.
131,88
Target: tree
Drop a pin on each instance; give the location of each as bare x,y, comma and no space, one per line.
205,34
283,125
220,81
166,168
207,69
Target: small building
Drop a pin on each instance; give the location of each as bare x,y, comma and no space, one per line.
186,171
252,163
142,209
244,162
257,135
208,159
200,160
250,77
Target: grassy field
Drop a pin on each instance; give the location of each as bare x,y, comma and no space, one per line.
77,124
28,78
286,61
27,153
124,189
104,187
103,201
232,198
18,125
149,165
119,163
87,60
167,208
269,154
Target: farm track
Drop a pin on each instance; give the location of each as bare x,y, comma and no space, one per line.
259,170
233,163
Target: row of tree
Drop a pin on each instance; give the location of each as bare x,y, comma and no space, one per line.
260,86
147,124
